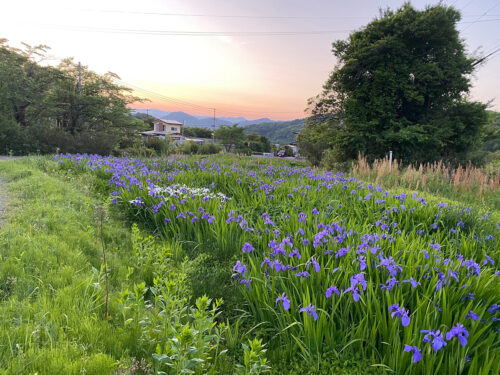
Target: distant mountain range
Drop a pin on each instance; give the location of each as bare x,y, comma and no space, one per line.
200,121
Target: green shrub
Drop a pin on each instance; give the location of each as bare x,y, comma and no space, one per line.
209,148
189,148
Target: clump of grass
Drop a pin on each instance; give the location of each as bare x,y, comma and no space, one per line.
477,184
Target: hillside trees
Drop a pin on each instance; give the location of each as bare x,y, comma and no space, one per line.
41,108
401,84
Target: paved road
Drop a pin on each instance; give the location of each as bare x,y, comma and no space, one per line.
4,157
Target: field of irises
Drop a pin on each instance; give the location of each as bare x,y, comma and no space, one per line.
327,263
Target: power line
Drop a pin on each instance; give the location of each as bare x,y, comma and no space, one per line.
173,14
230,33
166,98
190,104
481,16
221,15
486,57
204,33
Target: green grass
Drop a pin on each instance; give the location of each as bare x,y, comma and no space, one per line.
52,302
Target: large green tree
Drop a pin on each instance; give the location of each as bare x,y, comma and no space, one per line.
230,136
401,84
41,108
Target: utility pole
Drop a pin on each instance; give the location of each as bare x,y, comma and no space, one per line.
213,134
182,131
79,79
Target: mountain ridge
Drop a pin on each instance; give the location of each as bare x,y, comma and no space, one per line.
202,121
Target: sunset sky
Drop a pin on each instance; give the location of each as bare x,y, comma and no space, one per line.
256,58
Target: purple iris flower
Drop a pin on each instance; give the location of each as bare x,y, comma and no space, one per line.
303,274
472,315
468,296
412,282
331,290
296,253
246,282
488,260
284,301
358,279
247,248
460,332
390,265
389,284
240,269
400,312
362,262
343,251
314,263
493,308
355,293
310,310
435,338
471,265
300,231
417,353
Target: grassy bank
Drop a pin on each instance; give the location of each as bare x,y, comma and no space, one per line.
51,289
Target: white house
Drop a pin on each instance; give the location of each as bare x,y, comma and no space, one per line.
162,128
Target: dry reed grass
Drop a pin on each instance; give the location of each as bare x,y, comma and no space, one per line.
430,177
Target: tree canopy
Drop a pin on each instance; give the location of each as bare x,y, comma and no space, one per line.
230,136
400,84
41,108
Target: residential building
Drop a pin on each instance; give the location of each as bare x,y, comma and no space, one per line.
163,128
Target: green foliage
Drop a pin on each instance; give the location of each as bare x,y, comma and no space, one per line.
316,137
161,147
209,149
189,148
41,109
254,359
230,136
257,143
401,85
52,302
197,132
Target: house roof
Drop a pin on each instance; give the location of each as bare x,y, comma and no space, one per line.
167,121
155,133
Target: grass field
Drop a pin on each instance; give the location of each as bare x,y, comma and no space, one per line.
233,265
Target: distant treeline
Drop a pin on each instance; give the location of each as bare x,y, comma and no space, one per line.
277,132
44,109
